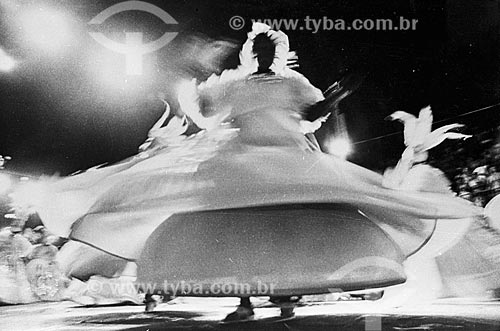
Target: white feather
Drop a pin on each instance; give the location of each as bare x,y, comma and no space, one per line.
409,121
424,125
419,139
437,136
311,127
159,135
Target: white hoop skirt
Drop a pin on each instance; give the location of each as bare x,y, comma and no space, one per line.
243,213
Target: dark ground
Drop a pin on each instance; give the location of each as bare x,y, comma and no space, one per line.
205,314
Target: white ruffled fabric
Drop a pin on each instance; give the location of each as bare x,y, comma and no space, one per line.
282,53
252,153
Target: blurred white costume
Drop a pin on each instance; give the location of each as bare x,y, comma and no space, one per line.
468,265
252,152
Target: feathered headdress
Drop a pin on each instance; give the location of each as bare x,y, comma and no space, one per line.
283,61
283,58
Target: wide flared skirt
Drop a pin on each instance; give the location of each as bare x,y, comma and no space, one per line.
282,250
148,193
180,195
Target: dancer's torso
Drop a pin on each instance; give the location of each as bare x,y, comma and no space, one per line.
266,108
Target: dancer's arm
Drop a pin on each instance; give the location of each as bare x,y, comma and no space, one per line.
189,101
156,128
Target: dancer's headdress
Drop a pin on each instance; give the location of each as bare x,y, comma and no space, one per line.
282,55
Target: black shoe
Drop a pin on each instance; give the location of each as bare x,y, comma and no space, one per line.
287,312
241,314
151,302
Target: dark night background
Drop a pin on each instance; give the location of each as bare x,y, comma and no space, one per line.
59,114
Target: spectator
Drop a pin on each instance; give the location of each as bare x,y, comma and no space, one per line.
494,180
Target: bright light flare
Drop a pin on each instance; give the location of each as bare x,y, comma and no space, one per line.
5,183
45,28
134,57
340,147
29,195
107,68
7,63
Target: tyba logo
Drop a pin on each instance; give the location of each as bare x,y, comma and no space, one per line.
133,48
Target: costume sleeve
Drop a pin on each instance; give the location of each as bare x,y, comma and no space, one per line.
306,93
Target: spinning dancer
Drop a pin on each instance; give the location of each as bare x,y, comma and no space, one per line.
262,97
265,100
467,266
418,139
249,199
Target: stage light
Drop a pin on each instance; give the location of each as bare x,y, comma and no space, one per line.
340,147
5,183
29,195
134,56
7,63
106,68
3,160
45,28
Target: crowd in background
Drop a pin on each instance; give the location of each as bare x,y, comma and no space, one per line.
473,166
28,267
